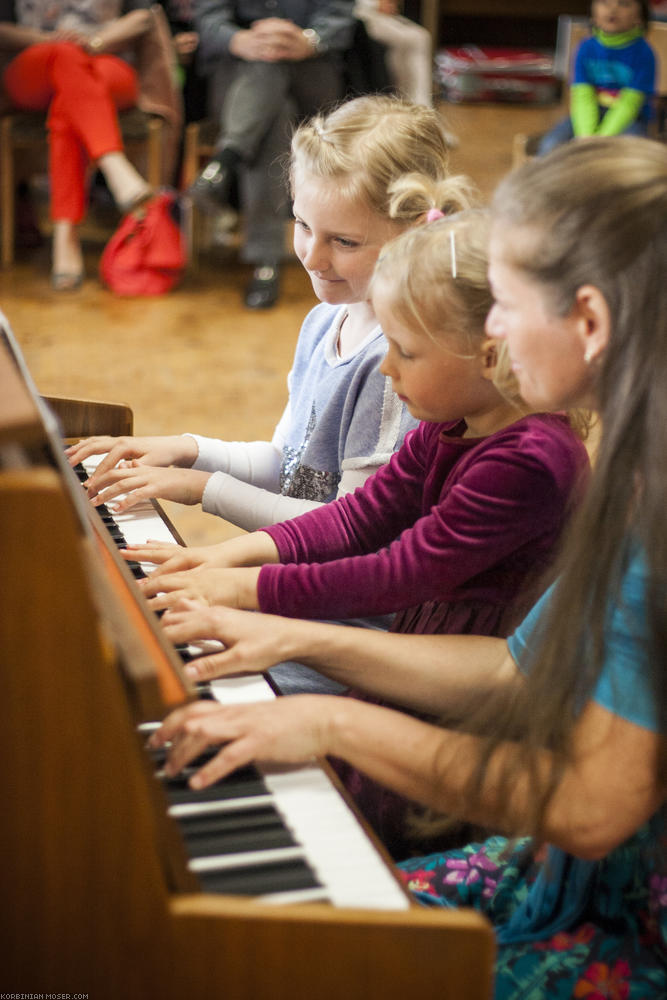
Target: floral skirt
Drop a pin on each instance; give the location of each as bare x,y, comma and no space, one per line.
616,951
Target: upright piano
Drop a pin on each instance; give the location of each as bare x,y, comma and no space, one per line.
116,884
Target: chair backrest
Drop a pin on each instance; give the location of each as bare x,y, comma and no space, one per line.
571,32
656,36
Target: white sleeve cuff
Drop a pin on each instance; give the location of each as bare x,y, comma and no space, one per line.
250,507
256,462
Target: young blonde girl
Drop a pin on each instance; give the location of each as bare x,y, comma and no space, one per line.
341,421
448,532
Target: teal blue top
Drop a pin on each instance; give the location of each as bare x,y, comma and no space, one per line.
624,683
568,887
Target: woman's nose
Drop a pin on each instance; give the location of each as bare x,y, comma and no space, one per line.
493,326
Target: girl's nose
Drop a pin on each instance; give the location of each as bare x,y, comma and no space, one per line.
387,368
314,258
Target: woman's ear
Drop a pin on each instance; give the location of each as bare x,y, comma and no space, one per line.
488,354
593,322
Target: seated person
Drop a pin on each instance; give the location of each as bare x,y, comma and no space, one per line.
76,63
279,66
409,55
614,76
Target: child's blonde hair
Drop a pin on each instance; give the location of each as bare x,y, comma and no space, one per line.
436,275
368,146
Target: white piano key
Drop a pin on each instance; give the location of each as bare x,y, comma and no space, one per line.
246,859
247,803
241,690
338,850
317,895
139,524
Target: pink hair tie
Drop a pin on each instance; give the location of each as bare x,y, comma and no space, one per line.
434,214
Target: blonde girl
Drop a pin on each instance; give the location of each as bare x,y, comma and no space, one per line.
342,421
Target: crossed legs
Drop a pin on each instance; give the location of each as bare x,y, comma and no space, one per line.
82,94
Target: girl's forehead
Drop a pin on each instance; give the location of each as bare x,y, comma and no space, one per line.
321,202
326,191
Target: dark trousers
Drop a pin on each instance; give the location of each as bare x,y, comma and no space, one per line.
260,105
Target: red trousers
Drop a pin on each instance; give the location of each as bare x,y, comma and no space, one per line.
82,94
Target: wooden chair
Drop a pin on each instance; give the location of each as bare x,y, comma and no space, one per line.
25,133
571,31
657,36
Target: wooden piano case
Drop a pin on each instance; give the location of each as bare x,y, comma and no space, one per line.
96,897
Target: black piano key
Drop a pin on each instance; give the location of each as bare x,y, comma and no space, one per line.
232,833
257,881
245,782
204,691
136,570
185,652
159,756
206,695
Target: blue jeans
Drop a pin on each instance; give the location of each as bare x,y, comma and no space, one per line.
563,132
295,678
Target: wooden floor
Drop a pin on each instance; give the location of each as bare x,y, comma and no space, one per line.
196,359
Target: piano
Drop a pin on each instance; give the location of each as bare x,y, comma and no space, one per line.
117,883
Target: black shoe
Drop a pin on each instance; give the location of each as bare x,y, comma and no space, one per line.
263,287
210,191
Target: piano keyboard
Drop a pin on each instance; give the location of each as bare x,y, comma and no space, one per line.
281,834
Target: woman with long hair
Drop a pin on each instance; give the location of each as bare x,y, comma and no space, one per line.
556,736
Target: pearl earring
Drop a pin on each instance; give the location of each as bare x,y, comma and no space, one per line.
588,355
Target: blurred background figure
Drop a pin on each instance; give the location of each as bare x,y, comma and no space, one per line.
614,76
409,49
268,68
75,61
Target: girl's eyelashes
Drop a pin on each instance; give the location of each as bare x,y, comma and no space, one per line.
400,351
346,243
343,241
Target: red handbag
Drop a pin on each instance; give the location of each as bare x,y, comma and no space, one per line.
146,255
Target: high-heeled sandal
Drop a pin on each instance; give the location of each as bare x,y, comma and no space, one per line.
137,203
63,282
